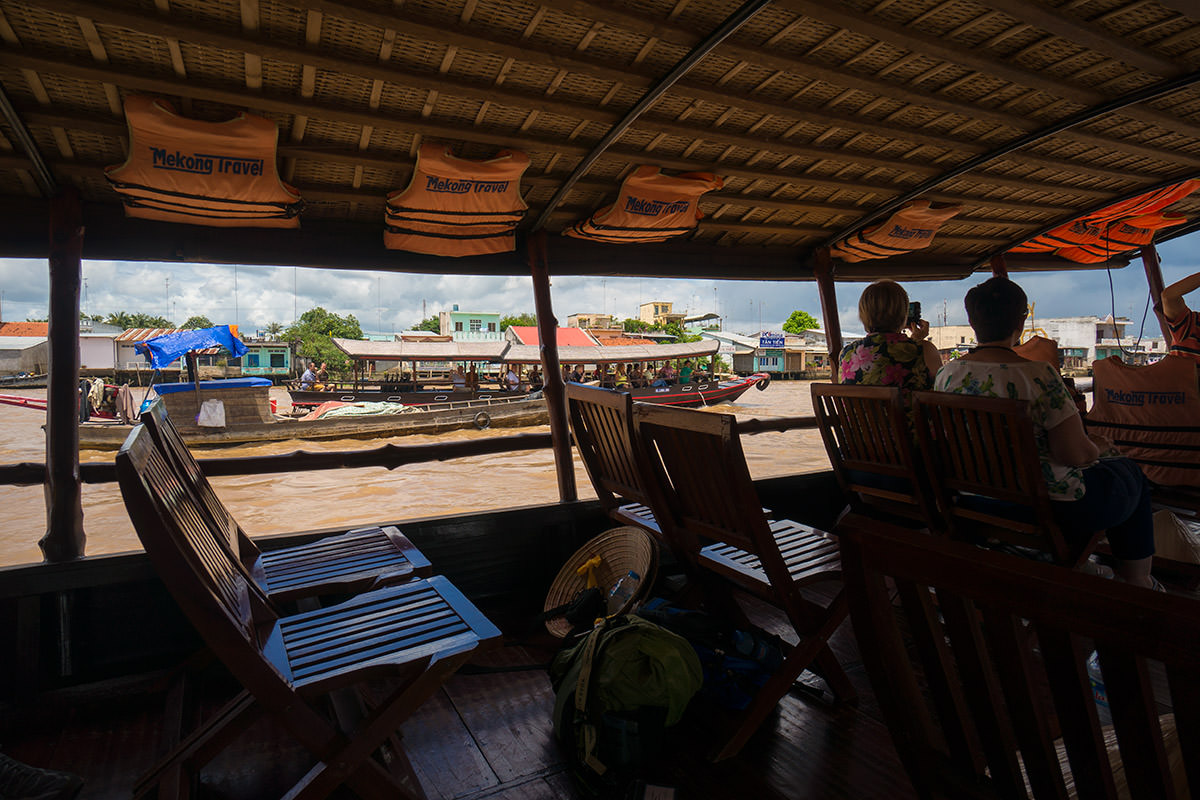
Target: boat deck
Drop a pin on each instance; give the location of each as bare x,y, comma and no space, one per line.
487,734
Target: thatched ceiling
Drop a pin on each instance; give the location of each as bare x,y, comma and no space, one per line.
821,116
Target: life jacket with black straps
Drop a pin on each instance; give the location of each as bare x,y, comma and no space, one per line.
220,174
1110,231
651,207
1152,415
910,228
457,207
1121,237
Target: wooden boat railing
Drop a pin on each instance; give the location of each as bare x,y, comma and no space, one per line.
388,456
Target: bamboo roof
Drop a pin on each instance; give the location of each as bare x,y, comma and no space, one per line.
823,117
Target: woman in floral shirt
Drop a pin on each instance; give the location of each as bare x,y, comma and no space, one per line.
1091,493
885,356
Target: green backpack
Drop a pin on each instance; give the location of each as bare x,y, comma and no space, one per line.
617,690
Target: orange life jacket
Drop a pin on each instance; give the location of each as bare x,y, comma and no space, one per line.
457,207
1039,348
1152,414
1121,237
1093,229
912,227
220,174
651,207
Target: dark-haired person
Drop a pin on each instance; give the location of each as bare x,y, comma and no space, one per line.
1090,493
1183,323
886,356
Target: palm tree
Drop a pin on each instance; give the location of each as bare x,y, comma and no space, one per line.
273,330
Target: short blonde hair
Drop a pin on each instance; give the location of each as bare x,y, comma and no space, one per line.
883,307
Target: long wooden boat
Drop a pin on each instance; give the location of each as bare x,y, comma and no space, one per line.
823,118
511,412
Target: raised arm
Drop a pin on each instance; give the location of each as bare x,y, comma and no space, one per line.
1172,297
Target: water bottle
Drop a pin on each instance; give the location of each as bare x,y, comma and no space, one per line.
1099,693
623,591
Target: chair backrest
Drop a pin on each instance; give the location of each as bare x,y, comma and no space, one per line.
169,441
983,464
869,441
222,603
602,424
980,659
701,489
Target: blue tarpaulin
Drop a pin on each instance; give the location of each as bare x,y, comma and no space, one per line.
162,350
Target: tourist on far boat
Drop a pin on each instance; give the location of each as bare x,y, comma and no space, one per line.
886,356
308,378
1092,487
621,379
322,373
511,381
1183,323
685,372
473,379
534,378
666,376
577,374
637,378
458,378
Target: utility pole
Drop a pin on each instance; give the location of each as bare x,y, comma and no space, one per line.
167,289
295,316
235,297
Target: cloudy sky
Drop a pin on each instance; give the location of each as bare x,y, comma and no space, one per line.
386,302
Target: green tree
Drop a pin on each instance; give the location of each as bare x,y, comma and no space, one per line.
801,321
525,319
635,326
273,330
681,335
432,324
137,319
314,332
197,322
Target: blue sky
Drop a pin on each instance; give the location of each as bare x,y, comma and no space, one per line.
387,302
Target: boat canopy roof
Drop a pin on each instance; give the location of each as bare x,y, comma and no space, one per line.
165,349
421,351
823,119
621,353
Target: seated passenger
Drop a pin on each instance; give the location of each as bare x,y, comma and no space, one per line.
1091,492
621,379
511,382
308,378
666,376
637,378
458,378
685,372
886,356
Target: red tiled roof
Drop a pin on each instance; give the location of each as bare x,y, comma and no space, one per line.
24,328
567,337
608,341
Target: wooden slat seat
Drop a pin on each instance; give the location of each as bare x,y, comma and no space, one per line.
413,635
602,425
979,662
355,561
870,445
987,478
705,500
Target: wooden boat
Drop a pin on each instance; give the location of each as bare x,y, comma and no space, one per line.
823,118
249,419
401,387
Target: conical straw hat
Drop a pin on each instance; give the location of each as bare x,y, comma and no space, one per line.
619,550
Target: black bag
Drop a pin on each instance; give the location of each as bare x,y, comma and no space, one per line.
616,691
736,662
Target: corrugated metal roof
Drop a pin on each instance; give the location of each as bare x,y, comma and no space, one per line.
422,351
530,354
21,342
142,334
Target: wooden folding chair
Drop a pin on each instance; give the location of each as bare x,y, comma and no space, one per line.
702,493
979,662
869,441
352,562
983,464
602,425
414,635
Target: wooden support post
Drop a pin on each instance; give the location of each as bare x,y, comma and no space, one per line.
554,389
1154,280
829,310
64,539
999,267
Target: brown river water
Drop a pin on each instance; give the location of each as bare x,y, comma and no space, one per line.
281,502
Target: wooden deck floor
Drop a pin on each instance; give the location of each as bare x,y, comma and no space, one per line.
487,734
